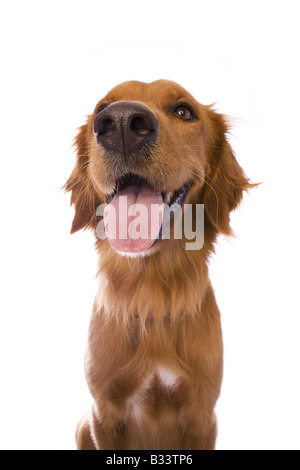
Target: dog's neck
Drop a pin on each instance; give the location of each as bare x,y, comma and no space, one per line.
171,280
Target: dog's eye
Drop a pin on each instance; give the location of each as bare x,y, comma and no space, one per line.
184,113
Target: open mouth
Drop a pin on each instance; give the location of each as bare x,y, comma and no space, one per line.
134,214
168,197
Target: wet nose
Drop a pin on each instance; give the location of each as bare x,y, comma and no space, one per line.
125,127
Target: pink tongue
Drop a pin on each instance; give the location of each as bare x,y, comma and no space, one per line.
133,218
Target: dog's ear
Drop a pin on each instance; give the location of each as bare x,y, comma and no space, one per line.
83,196
225,180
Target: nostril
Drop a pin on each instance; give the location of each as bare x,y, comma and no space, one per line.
107,128
125,127
139,125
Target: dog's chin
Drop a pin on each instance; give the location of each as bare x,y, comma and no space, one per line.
128,254
140,254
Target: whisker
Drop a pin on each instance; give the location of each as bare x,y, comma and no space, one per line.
200,146
210,185
212,181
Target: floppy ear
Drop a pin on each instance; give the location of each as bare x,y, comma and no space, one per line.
83,196
225,179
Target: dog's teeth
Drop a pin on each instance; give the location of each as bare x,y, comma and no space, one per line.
168,197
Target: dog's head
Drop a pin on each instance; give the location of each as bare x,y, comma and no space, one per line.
155,144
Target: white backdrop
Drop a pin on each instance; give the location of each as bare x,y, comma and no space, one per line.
57,60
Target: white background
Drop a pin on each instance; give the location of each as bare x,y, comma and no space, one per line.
58,59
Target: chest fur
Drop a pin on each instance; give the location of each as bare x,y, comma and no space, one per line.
160,390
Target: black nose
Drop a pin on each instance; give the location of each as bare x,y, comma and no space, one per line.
125,127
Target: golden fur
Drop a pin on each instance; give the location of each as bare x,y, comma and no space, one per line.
157,312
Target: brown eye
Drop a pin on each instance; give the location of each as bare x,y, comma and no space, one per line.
184,113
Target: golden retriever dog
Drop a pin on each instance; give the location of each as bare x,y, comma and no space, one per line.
154,356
